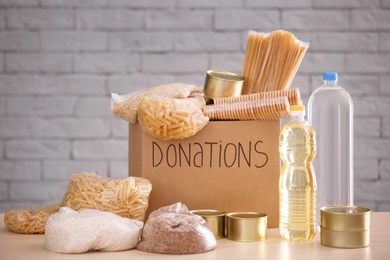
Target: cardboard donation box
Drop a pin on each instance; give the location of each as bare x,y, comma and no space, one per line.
229,165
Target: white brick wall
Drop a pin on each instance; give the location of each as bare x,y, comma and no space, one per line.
60,60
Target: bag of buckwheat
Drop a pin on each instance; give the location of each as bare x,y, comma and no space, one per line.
175,230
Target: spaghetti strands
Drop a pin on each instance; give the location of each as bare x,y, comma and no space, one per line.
271,61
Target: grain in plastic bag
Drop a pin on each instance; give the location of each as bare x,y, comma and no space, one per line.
29,220
175,230
170,118
126,106
75,232
126,197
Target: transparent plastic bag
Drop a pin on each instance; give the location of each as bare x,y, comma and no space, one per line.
293,95
126,106
29,220
126,197
169,118
175,230
261,109
75,232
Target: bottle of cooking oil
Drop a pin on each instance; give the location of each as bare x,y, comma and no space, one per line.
297,183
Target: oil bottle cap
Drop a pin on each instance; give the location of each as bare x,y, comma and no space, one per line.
330,76
297,110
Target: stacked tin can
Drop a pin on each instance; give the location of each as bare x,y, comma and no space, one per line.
345,226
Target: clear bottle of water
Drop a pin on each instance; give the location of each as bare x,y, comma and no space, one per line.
330,112
297,183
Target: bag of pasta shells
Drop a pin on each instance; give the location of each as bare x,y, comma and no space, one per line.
126,197
29,220
170,118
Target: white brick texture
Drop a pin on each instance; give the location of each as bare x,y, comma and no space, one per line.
62,170
38,62
243,19
37,149
178,19
60,61
114,19
34,18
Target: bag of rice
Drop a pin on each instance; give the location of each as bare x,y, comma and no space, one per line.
75,232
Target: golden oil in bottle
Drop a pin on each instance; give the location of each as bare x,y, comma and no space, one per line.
297,183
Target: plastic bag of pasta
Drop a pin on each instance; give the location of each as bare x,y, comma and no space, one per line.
262,109
175,230
126,106
75,232
127,197
170,118
29,220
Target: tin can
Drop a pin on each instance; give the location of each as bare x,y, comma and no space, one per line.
246,226
345,226
215,219
222,84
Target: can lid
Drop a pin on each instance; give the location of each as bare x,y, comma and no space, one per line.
222,84
345,218
208,212
246,215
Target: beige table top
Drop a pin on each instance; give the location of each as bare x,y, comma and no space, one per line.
17,246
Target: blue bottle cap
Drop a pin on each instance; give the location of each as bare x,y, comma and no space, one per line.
330,76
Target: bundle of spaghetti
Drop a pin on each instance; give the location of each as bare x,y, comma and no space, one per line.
271,61
293,95
260,109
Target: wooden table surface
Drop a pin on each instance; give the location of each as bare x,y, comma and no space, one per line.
18,246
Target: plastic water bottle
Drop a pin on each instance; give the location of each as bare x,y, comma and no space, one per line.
330,112
297,183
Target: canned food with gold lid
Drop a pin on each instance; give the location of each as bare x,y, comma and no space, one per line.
215,219
222,84
246,226
345,226
345,218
